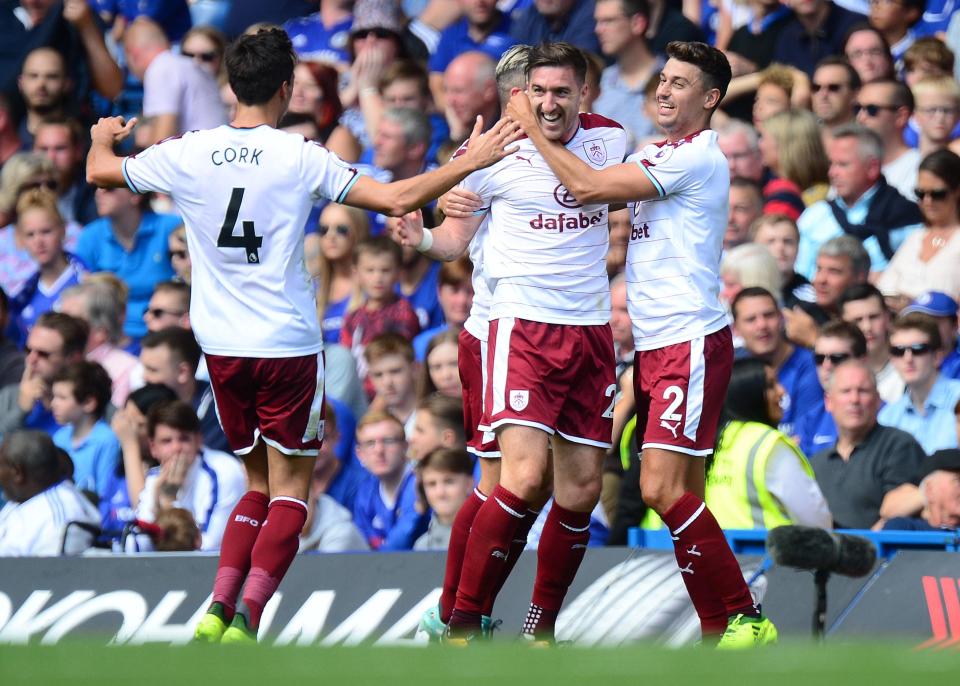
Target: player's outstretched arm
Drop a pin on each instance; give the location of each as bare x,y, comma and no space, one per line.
447,242
104,168
619,183
397,198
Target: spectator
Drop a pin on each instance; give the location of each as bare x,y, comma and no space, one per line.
943,309
926,58
773,94
446,476
927,260
406,84
80,398
752,45
11,359
470,89
895,20
41,230
860,473
455,293
170,357
835,84
863,305
54,342
865,206
389,359
46,513
10,142
60,140
206,46
757,477
173,16
550,21
841,263
44,89
378,267
179,254
940,494
867,51
100,301
438,424
323,36
388,510
779,234
927,408
746,205
621,27
419,284
129,240
207,483
885,106
757,318
315,94
937,107
746,266
740,145
440,371
815,31
792,148
329,527
178,94
169,306
837,342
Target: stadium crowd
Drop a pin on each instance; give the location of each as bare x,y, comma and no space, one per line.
841,129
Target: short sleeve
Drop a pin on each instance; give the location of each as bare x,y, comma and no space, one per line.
326,175
155,169
162,88
902,465
674,168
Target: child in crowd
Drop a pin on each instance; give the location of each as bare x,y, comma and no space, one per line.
438,424
441,373
81,393
388,510
179,254
382,311
446,477
391,379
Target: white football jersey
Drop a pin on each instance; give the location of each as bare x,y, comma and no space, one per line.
546,255
244,195
478,322
47,522
673,260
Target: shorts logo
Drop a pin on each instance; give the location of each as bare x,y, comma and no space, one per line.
519,400
596,151
671,427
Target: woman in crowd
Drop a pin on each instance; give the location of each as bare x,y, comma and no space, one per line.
792,148
440,373
928,259
329,255
868,53
315,94
206,46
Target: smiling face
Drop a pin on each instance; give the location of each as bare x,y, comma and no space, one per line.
683,101
555,96
758,321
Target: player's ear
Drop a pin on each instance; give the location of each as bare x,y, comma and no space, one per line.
711,99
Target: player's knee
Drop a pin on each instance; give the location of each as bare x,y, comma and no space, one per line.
659,496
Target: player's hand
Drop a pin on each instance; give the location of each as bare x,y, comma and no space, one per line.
485,149
520,110
408,229
459,203
111,130
32,389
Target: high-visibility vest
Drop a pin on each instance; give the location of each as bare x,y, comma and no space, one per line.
736,489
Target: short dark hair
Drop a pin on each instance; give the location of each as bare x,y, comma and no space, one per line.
378,245
89,380
752,292
180,341
860,291
632,7
839,61
176,414
452,460
710,61
447,412
73,331
918,321
149,395
902,95
559,54
837,328
945,165
33,451
258,64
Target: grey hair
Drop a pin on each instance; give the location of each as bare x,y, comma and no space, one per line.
511,71
416,124
850,247
104,306
852,362
753,265
33,451
735,126
869,144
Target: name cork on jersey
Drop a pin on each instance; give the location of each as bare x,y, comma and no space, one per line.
545,257
244,195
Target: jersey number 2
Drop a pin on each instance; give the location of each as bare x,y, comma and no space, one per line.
248,240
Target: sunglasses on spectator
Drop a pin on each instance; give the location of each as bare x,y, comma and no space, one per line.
341,229
42,354
872,110
835,358
379,33
178,254
49,184
935,194
202,56
388,442
831,87
916,349
157,312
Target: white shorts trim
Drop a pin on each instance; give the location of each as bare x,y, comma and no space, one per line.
310,452
585,441
248,449
695,389
501,358
487,455
678,449
523,422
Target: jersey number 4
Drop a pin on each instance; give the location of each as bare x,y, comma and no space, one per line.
248,240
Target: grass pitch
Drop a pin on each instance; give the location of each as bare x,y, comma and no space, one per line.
78,664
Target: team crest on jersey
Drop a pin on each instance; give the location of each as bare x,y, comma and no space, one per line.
596,151
519,400
658,155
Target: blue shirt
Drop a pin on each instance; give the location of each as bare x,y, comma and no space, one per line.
532,28
935,18
455,40
332,320
798,376
425,299
173,16
951,364
818,225
146,265
41,419
815,430
388,527
94,458
936,428
33,299
115,508
314,41
423,339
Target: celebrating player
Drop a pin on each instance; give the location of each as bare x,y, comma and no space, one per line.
245,190
549,365
684,352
